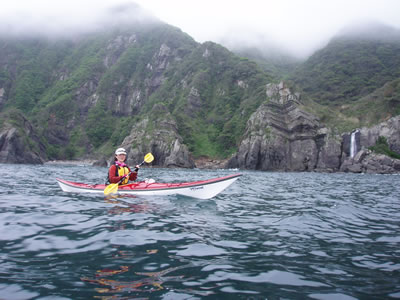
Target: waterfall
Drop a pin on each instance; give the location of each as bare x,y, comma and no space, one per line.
353,144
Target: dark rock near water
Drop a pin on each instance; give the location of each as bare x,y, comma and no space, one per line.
19,142
101,163
368,162
280,136
365,161
389,129
158,135
329,155
208,163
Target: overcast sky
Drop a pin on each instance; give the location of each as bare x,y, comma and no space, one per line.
298,25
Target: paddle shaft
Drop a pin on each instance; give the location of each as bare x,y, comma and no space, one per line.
137,169
129,174
113,188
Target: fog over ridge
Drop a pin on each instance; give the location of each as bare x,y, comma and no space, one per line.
69,21
296,28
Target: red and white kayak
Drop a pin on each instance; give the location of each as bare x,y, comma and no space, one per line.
204,189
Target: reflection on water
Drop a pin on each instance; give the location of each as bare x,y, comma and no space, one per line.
121,206
269,235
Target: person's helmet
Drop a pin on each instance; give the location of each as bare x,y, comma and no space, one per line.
120,151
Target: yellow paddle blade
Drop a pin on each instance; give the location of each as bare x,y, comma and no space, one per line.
111,189
148,158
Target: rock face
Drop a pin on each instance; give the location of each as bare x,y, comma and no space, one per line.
158,135
20,144
130,99
280,136
365,161
389,129
368,162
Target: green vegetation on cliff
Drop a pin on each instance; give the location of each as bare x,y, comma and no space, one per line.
212,94
354,80
347,69
85,95
382,147
26,69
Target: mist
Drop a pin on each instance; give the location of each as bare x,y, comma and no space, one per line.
295,27
66,19
286,27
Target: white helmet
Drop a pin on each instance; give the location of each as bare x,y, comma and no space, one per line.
120,151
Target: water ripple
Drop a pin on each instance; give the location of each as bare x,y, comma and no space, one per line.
270,235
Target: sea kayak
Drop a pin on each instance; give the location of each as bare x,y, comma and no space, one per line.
203,189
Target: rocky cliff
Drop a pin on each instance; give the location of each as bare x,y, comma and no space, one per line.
358,158
366,161
19,142
282,136
84,95
149,87
158,134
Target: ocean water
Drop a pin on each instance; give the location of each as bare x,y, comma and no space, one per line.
268,236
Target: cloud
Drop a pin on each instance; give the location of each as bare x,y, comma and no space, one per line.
24,17
299,26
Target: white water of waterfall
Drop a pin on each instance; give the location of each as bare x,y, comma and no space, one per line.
353,145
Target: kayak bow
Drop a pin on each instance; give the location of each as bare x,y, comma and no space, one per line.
204,189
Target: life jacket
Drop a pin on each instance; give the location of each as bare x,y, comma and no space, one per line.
120,171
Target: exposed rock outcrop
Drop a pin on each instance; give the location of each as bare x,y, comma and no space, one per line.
282,136
209,163
389,129
363,160
2,96
158,135
368,162
134,93
19,143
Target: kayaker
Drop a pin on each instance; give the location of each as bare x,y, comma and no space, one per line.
120,169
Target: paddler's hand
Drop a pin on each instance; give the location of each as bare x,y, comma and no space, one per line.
125,176
137,167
